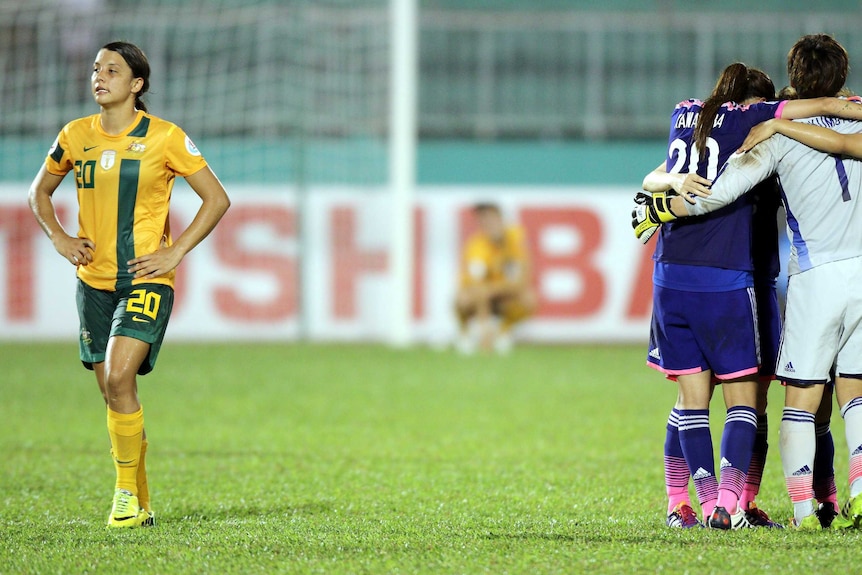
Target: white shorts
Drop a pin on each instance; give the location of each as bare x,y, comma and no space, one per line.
822,324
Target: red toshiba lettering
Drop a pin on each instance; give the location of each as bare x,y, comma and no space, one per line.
349,262
229,250
580,260
21,231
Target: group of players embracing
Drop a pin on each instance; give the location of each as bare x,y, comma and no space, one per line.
716,316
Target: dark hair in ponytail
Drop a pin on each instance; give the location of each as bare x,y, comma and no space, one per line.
137,61
737,83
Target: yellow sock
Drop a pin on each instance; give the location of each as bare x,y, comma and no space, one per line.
143,488
126,431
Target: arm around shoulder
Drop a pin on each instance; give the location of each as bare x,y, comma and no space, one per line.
843,108
741,173
819,138
806,108
659,180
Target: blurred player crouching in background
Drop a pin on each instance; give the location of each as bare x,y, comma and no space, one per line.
495,289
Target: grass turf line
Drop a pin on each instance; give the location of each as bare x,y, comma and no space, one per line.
272,458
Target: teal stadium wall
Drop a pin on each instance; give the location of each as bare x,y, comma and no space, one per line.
669,6
645,5
448,162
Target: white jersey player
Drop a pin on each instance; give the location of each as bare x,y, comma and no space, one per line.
818,194
822,194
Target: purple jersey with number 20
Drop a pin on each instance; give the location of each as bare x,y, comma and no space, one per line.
721,239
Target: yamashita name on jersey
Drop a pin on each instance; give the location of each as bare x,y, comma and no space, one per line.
688,120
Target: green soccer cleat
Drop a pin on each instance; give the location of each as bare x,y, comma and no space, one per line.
852,512
150,520
810,523
840,522
125,512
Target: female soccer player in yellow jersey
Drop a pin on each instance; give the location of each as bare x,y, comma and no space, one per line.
124,162
495,282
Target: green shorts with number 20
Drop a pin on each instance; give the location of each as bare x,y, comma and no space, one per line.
139,311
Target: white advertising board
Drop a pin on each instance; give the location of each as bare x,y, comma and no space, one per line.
247,281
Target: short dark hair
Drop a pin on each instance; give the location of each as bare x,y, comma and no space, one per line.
486,207
817,66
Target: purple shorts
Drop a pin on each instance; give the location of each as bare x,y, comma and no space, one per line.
769,324
697,331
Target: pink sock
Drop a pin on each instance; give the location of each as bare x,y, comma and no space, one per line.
747,498
676,498
852,414
708,507
676,473
728,500
833,499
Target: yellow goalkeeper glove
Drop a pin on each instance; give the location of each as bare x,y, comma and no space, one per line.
650,211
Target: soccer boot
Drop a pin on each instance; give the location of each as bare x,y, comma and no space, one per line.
827,514
125,511
721,519
150,520
683,516
757,517
809,523
852,512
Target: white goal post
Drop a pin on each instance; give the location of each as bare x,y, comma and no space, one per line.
402,162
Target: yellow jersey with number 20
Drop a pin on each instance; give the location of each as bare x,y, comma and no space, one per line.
124,190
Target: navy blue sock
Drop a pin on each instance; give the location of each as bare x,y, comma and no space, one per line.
737,444
824,472
696,441
758,462
676,474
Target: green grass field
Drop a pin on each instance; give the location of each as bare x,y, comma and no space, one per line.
361,459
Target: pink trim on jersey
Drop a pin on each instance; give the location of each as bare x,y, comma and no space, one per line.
672,373
744,107
736,374
731,106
